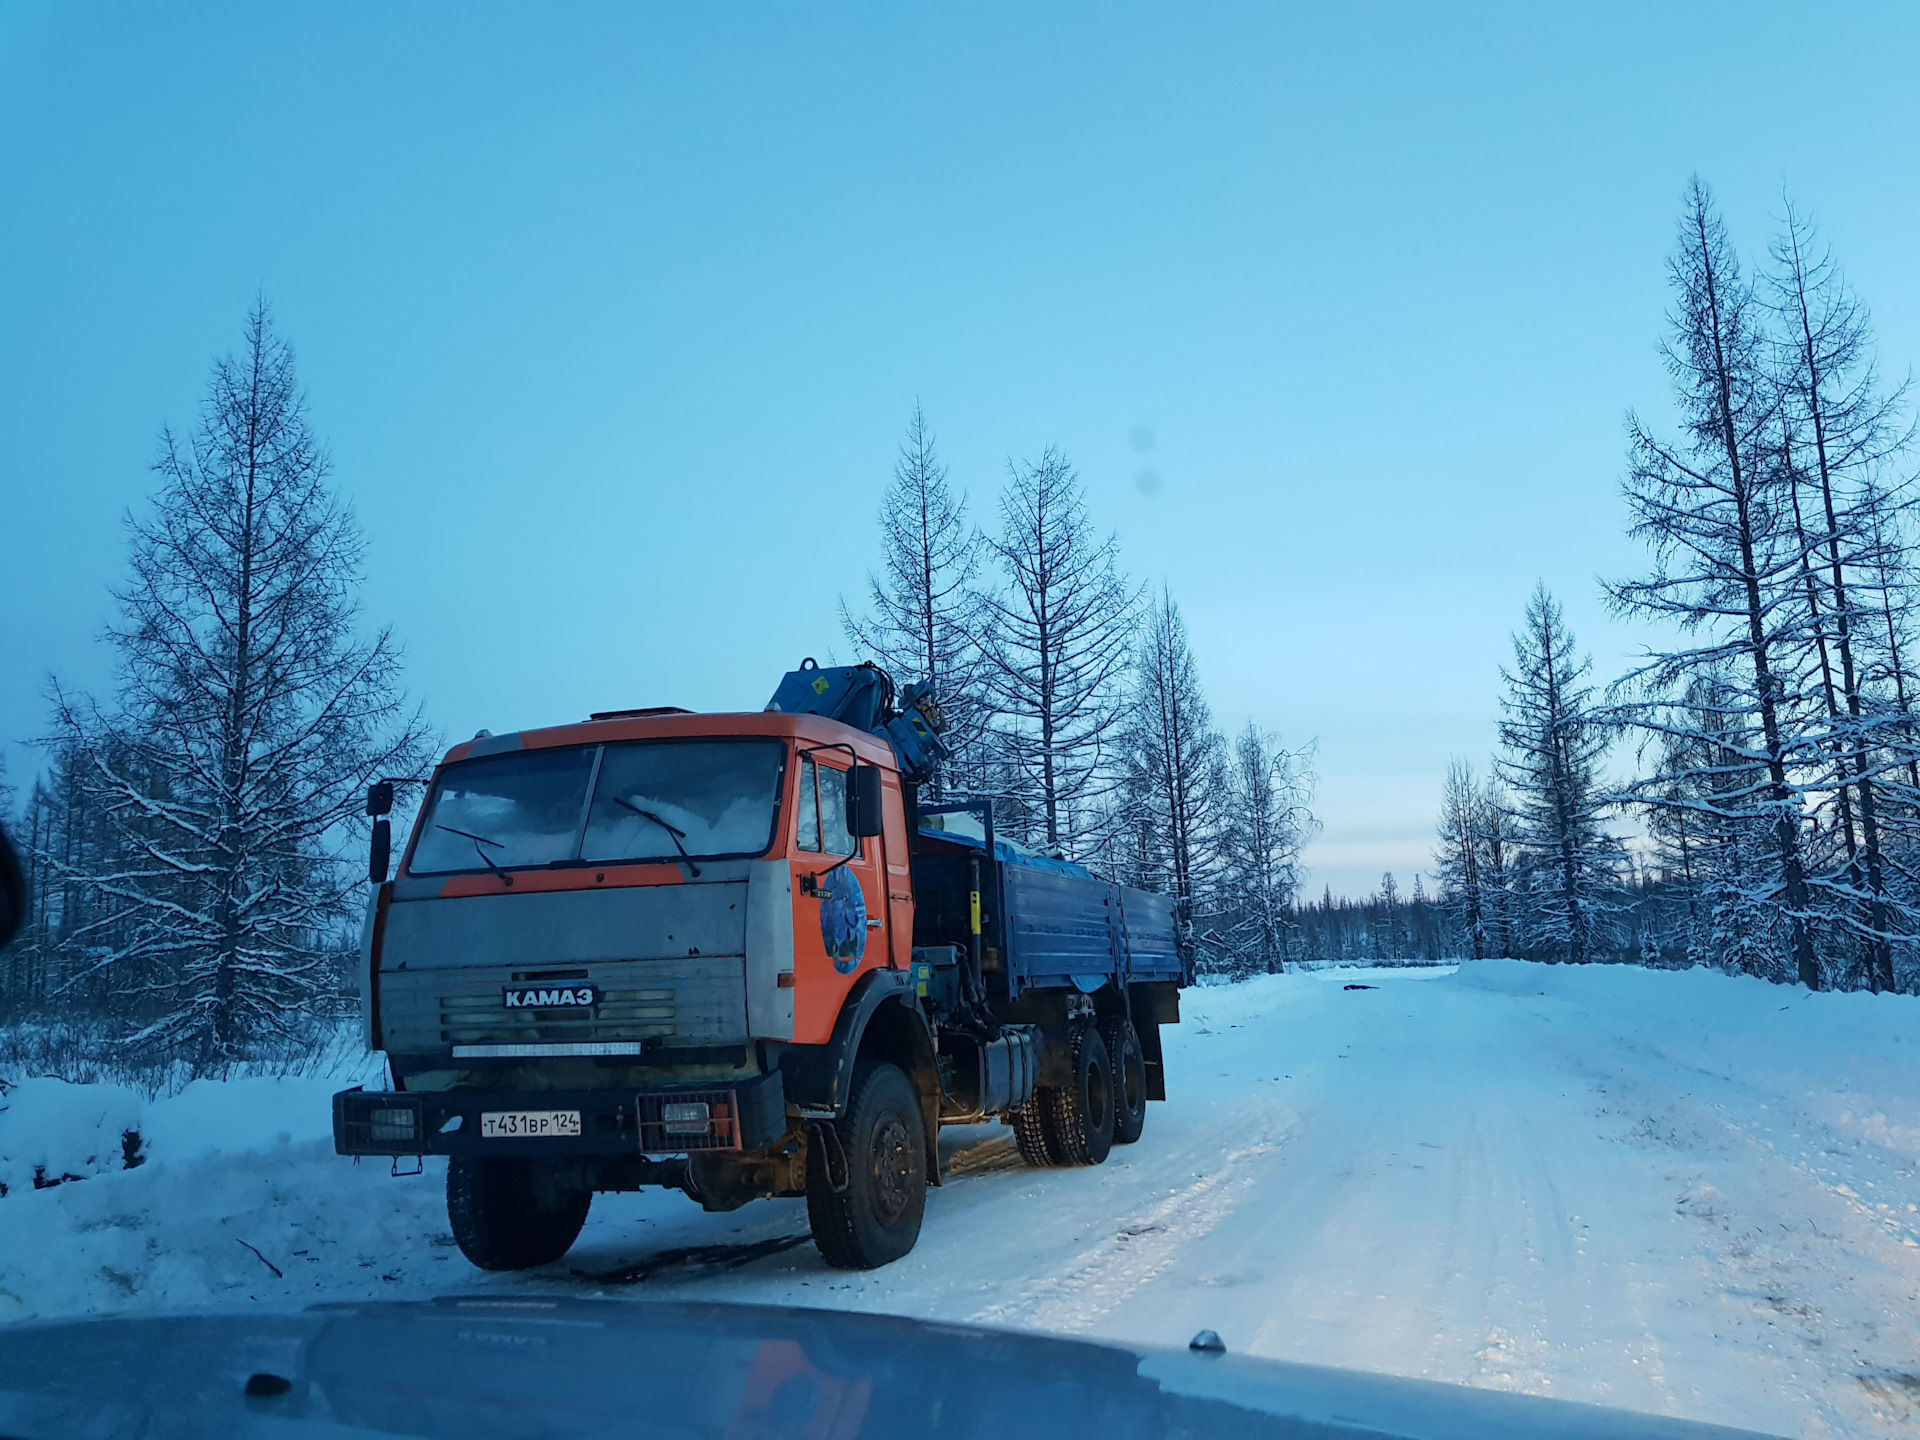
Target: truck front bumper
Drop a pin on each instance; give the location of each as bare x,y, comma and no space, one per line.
749,1114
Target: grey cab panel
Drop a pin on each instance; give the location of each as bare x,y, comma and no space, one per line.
655,922
667,963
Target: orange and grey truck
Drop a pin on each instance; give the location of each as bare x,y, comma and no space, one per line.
736,955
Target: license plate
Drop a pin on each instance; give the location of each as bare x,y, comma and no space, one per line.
513,1124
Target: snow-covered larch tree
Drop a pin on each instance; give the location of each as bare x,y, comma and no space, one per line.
1057,642
1552,742
250,713
1457,857
1839,428
1176,754
923,621
1266,823
1726,566
1498,898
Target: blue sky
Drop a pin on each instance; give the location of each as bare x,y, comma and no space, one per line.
613,317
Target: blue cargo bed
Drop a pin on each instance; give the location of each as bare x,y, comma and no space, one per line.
1051,923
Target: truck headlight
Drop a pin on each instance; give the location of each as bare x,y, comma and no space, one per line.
391,1124
685,1117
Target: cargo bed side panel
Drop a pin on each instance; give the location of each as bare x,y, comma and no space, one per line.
1150,934
1057,926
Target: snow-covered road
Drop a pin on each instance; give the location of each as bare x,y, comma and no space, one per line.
1680,1193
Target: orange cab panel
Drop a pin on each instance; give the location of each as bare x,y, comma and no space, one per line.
839,894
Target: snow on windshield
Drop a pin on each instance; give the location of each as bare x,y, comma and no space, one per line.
507,810
713,797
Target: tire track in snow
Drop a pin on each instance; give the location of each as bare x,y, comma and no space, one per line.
1099,1279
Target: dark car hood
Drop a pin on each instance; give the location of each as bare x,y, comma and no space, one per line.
475,1369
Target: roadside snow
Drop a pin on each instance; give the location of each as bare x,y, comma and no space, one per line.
1673,1192
50,1130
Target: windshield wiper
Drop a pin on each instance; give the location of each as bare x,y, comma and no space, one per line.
674,832
485,859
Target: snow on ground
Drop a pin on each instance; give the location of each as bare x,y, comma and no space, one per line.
1672,1192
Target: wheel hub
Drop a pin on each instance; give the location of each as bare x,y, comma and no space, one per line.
892,1169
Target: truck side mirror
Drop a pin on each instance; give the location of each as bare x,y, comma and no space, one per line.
863,801
381,852
380,797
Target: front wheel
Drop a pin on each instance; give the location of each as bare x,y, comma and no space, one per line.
867,1173
512,1213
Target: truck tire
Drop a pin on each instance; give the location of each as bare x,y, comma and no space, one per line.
1129,1080
869,1215
1080,1115
505,1218
1031,1133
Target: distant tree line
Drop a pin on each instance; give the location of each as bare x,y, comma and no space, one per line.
1075,704
1389,927
1778,765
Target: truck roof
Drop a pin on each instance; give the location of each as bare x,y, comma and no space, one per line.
679,725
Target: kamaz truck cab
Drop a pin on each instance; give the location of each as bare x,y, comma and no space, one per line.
733,954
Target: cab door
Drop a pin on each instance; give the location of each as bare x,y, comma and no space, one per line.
839,896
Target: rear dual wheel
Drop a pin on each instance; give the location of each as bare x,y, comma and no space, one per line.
1030,1133
1129,1080
1071,1124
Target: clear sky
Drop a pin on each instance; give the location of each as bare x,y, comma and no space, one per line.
613,316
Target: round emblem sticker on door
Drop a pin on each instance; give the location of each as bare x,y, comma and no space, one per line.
843,920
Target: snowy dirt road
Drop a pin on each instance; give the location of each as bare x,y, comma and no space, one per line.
1679,1193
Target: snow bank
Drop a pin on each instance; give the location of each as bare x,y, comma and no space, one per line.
52,1131
258,1113
237,1193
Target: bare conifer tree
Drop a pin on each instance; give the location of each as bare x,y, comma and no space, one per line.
1553,743
924,605
1177,754
1726,564
1892,583
1057,641
1839,427
1687,832
1457,860
1267,823
63,836
1389,928
1496,866
249,716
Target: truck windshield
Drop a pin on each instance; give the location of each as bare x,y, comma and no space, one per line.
652,800
718,795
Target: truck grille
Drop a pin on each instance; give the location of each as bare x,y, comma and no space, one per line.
620,1015
460,1011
